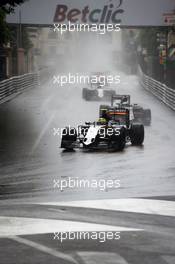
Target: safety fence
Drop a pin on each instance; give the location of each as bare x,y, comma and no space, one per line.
158,89
15,85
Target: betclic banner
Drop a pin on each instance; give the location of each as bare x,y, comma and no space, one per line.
124,12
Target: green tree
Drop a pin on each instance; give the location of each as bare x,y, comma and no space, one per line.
4,29
147,39
6,7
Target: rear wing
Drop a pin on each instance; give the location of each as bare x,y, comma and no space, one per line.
115,113
121,100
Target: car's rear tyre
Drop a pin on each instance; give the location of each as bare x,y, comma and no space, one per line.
84,93
137,134
69,136
87,94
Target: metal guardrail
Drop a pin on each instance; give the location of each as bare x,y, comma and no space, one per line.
158,89
15,85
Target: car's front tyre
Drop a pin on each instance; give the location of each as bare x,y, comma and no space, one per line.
137,134
69,137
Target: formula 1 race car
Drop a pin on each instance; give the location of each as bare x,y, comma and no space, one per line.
137,113
111,135
96,90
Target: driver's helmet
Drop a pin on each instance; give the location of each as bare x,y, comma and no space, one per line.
102,121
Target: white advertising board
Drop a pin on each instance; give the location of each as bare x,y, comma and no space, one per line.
125,12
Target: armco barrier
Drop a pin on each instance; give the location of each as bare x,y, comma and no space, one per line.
15,85
160,90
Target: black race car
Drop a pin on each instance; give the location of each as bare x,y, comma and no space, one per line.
111,132
137,113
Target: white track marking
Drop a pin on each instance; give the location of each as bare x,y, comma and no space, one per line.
15,226
43,131
169,259
43,248
100,257
144,206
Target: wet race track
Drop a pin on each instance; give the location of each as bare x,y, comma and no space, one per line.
31,160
